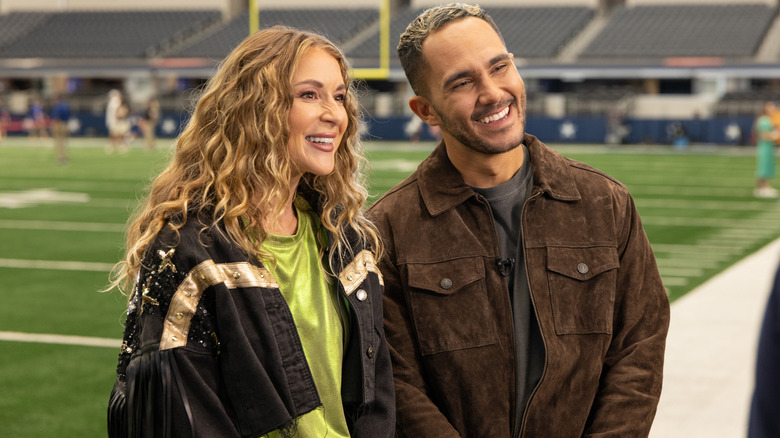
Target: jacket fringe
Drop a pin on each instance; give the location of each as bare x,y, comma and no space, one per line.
142,406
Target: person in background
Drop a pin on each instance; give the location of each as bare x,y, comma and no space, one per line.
5,119
60,115
255,302
38,123
766,167
148,123
117,122
522,297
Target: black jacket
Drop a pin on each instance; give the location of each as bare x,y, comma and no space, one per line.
210,347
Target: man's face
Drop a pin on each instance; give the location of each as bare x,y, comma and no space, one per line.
475,93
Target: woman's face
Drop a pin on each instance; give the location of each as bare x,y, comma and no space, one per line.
318,117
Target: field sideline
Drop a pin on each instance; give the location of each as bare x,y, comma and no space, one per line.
61,229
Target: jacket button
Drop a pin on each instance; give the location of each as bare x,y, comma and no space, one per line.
370,352
446,283
582,268
361,295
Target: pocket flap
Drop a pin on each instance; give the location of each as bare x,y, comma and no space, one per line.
582,263
446,277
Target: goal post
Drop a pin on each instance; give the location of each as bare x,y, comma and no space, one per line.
382,72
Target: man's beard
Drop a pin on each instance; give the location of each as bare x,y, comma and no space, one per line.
471,140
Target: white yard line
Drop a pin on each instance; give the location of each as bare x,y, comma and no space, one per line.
40,338
727,223
698,204
58,265
639,191
61,226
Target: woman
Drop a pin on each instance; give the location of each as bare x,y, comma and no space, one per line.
766,134
256,304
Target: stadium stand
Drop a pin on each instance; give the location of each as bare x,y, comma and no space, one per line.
120,34
578,58
680,30
338,24
16,25
529,32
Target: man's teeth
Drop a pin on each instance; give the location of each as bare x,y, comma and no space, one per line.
496,116
320,139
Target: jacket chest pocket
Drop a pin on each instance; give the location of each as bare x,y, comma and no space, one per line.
582,288
449,305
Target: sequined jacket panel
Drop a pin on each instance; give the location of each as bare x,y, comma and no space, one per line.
215,322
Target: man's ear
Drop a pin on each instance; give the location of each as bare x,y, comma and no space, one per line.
424,110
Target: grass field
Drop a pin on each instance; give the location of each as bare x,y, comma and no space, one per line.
61,230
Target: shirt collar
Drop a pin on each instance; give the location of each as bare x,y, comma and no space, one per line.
442,187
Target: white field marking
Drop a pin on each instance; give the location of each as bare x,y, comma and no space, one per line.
82,341
697,204
690,181
57,265
638,190
396,165
112,203
674,281
385,146
31,198
78,186
61,226
682,272
686,262
695,249
742,233
767,224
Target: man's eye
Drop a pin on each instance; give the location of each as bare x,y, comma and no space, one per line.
459,84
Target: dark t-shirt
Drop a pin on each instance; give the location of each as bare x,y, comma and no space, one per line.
506,202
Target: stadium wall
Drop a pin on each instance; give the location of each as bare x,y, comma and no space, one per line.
513,3
7,6
574,130
630,3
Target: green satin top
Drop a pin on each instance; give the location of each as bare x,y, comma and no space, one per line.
319,316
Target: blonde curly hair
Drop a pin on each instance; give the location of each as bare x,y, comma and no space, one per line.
232,159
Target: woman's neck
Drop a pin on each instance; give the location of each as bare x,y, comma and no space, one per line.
287,223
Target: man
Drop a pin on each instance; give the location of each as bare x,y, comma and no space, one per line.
522,296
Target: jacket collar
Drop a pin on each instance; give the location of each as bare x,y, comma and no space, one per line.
442,186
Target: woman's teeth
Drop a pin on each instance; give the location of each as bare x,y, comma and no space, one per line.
319,139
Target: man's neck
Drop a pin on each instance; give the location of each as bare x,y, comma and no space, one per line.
485,170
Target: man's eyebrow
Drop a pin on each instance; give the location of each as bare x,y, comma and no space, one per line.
465,73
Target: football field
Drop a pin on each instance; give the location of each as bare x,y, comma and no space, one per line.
61,230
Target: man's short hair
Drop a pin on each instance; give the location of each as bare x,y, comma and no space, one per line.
410,45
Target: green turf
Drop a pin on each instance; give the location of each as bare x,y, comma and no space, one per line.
697,208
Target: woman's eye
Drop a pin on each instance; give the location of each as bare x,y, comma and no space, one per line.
340,97
308,95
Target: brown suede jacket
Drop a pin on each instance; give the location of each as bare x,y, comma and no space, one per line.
595,289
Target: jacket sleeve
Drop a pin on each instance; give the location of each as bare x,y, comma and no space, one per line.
417,415
630,387
165,392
